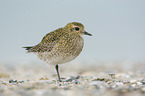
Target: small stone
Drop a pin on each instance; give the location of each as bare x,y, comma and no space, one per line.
77,82
126,82
21,81
4,83
12,81
78,77
94,83
69,80
119,83
99,79
143,81
43,78
126,76
133,85
133,81
139,83
49,82
112,75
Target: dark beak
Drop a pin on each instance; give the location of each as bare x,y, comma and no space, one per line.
86,33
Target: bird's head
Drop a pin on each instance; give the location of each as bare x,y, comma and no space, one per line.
76,27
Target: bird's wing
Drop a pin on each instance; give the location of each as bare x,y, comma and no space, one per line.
48,42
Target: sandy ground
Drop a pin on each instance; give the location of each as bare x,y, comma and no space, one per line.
79,79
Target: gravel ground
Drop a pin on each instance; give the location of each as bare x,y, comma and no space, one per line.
108,79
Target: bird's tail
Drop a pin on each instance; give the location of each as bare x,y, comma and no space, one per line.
31,49
27,48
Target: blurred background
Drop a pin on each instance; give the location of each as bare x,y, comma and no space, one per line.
117,26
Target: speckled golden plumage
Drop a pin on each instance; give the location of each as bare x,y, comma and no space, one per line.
61,45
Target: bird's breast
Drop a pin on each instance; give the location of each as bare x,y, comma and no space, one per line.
70,45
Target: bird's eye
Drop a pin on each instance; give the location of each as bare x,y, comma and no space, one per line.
77,28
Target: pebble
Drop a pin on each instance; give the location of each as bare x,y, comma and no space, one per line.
143,81
133,81
12,81
112,75
126,82
133,85
119,83
94,82
43,78
139,83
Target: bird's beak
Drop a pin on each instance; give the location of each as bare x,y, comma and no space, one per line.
86,33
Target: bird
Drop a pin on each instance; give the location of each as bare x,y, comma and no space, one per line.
61,45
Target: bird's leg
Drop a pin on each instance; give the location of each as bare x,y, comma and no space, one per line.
58,73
